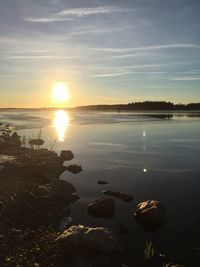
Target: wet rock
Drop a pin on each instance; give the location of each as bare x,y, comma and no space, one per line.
151,215
101,182
66,155
102,207
81,237
74,168
122,195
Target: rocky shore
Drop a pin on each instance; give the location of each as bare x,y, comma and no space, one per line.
35,224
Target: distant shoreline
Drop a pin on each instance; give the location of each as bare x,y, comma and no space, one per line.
137,106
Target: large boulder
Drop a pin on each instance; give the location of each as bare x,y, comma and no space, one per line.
66,155
102,207
81,237
151,215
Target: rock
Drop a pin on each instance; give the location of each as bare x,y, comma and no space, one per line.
5,159
102,207
36,142
66,155
81,237
41,191
61,188
122,195
74,168
151,215
101,182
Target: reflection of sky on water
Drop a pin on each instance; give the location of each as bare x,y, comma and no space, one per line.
150,159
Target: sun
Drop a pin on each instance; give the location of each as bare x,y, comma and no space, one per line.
60,92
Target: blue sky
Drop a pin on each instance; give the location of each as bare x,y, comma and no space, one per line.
107,51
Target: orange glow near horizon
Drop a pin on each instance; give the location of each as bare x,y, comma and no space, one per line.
61,123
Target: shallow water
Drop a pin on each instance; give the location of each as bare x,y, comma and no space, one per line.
149,155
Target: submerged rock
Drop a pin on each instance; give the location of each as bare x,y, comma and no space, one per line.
81,237
101,182
122,195
66,155
151,215
74,168
102,207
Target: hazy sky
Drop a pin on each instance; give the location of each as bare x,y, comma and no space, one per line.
108,51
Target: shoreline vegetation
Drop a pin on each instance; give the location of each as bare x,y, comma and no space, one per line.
132,106
35,224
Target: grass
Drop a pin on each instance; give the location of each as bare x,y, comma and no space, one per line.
149,251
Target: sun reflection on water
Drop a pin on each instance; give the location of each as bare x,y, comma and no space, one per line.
61,123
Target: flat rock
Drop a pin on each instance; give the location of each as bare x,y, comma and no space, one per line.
82,237
151,215
122,195
102,207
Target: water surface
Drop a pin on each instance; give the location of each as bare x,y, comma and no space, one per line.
149,155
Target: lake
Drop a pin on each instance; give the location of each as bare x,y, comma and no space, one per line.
149,155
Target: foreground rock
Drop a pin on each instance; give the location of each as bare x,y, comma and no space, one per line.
102,207
122,195
81,237
93,246
151,215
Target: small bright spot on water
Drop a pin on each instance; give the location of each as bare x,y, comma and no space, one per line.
144,133
144,170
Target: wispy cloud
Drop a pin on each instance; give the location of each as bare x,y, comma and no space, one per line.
99,31
80,12
186,78
71,14
109,74
41,57
146,48
47,19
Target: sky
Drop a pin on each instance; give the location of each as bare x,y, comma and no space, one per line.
107,51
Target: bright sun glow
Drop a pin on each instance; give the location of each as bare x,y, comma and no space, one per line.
60,93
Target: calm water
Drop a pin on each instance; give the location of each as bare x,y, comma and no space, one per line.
150,156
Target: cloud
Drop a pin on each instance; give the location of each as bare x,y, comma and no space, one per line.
146,48
109,74
99,31
71,14
48,19
186,78
80,12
